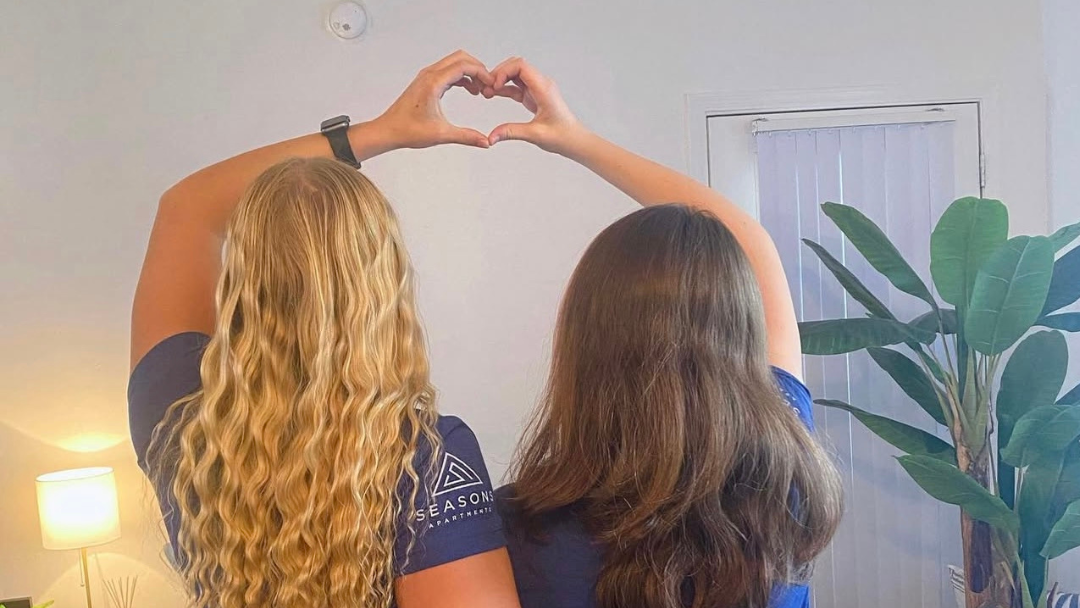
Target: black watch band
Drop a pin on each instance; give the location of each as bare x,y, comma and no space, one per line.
336,130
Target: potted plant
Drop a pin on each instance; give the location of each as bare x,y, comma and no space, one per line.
988,362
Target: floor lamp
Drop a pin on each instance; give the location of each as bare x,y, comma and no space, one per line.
78,509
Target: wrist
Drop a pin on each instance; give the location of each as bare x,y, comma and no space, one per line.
370,139
576,141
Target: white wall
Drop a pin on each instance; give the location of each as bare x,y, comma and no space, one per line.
1062,20
103,105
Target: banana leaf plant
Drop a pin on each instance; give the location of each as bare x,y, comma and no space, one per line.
987,361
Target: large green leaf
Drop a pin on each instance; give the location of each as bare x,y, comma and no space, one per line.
1009,293
932,365
850,282
1068,485
838,336
878,250
1065,321
949,484
1070,398
1045,429
965,237
1064,236
1033,376
901,436
1064,283
911,379
1025,596
938,321
1012,451
1034,505
1066,491
1066,533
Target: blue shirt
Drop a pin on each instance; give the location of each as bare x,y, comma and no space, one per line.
455,512
562,569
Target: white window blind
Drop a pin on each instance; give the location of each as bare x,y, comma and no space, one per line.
895,542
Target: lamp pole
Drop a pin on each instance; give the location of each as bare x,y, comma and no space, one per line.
86,576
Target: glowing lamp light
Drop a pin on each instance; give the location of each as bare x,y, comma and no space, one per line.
78,508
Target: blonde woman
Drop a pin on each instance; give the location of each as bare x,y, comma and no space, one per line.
280,399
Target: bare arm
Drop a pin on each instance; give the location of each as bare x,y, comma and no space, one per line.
480,581
554,128
183,258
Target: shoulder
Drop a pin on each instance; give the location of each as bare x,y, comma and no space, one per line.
792,388
459,465
167,372
167,356
459,442
454,510
796,394
449,425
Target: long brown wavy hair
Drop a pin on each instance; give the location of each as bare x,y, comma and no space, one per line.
663,426
284,467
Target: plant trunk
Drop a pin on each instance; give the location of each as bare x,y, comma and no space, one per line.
978,563
983,589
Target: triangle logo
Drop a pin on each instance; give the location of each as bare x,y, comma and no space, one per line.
455,475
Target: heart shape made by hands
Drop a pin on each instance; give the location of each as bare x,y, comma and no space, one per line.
418,120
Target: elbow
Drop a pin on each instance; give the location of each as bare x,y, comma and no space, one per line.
756,241
170,198
175,205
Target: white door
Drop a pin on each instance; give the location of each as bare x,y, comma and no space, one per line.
900,166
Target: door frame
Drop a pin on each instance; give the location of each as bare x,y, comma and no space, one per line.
702,106
733,159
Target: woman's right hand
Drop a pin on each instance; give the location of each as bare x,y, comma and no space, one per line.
553,127
416,119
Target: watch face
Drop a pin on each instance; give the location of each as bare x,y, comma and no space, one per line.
336,122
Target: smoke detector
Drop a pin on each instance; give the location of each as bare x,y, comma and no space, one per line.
348,20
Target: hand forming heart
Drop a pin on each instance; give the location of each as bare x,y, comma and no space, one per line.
416,119
552,122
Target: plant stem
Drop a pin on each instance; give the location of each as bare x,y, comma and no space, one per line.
1025,591
941,391
945,340
957,408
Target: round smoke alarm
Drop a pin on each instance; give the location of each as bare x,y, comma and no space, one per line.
348,20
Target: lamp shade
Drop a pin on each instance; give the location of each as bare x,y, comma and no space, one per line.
78,508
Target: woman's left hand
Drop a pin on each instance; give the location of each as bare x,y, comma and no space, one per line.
416,119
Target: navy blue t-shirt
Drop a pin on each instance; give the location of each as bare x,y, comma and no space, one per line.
457,520
562,569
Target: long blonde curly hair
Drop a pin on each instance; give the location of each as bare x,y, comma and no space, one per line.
285,466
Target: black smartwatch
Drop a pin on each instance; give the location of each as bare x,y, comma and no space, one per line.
336,130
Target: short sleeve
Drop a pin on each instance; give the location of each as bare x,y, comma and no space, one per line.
790,596
796,394
455,512
167,373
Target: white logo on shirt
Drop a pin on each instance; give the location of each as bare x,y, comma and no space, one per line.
455,475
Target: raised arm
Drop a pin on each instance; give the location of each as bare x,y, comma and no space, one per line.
555,129
175,293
